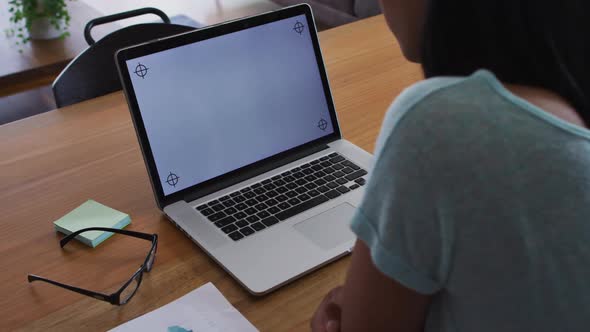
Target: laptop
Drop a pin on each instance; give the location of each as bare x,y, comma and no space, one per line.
241,141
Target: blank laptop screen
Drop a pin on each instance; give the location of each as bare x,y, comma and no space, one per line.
220,104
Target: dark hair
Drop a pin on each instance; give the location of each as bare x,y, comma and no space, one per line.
539,43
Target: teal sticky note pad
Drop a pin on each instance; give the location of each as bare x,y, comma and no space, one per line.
92,214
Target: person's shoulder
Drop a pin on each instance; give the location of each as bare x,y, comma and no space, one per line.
437,94
440,104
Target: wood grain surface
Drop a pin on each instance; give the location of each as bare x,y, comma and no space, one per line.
52,162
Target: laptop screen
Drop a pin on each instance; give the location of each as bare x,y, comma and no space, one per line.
223,103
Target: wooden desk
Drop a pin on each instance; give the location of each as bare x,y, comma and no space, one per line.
55,161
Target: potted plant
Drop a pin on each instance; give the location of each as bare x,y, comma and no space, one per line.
42,19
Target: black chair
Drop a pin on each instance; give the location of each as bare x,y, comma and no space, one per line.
93,72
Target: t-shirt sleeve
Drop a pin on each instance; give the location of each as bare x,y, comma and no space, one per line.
399,218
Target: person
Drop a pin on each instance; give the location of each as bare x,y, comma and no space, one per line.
476,216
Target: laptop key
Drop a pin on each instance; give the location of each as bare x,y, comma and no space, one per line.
240,215
262,198
241,206
274,178
357,174
347,170
230,210
267,181
242,223
333,185
263,214
323,189
282,190
252,202
289,178
259,191
252,219
341,181
225,221
329,177
360,181
331,155
218,207
202,207
291,194
217,216
284,206
313,193
298,175
301,207
351,165
307,171
234,194
311,185
270,221
224,198
337,159
343,189
229,229
248,195
207,212
291,185
274,210
296,169
279,183
269,186
338,174
213,202
301,190
332,194
258,226
310,178
354,186
326,164
324,158
236,236
320,182
271,193
338,166
229,203
293,201
316,167
271,202
246,231
305,165
303,197
319,174
240,199
329,170
245,190
281,198
287,173
301,182
250,211
261,206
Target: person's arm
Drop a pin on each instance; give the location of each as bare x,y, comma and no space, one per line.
370,301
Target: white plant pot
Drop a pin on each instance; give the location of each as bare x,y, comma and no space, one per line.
42,29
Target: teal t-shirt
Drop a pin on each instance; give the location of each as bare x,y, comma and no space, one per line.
483,200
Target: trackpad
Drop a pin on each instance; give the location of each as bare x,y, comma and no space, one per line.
329,229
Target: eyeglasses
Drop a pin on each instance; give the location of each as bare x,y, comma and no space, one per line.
126,292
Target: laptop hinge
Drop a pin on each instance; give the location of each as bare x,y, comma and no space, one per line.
252,172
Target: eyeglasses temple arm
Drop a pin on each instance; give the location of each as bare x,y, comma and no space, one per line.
139,235
99,296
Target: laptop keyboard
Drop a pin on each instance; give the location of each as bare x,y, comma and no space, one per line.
266,203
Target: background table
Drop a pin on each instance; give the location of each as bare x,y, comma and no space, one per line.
42,60
55,161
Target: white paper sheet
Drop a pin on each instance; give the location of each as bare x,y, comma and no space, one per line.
203,310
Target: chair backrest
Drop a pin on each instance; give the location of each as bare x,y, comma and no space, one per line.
93,72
